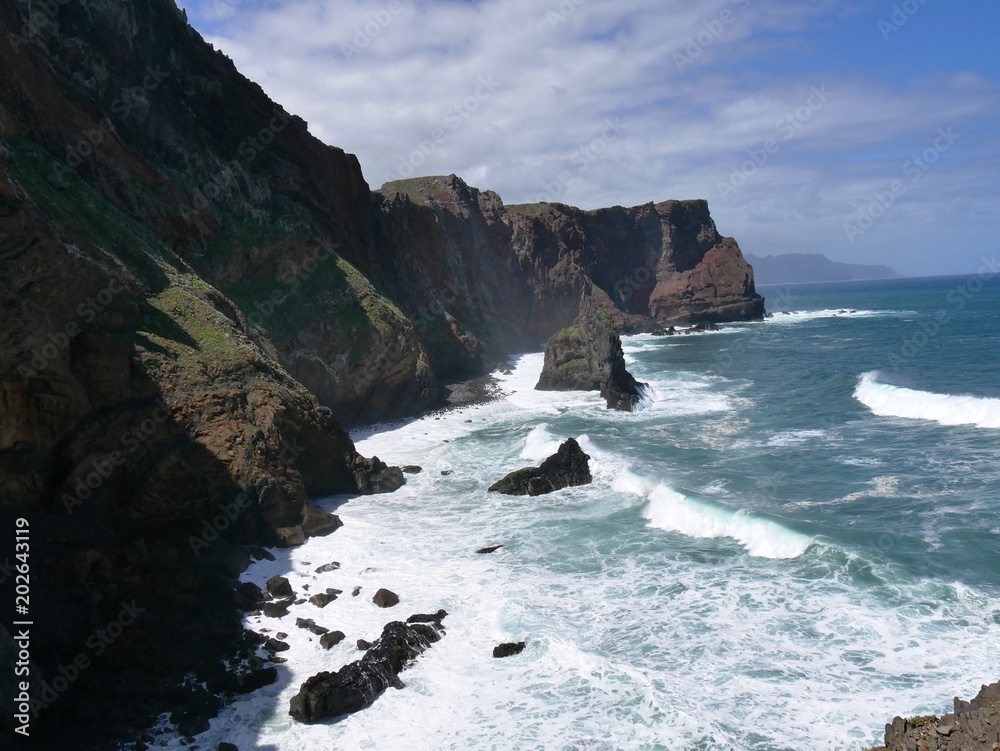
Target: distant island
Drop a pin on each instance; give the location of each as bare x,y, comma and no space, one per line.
791,268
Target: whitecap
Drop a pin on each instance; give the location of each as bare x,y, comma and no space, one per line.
672,511
887,400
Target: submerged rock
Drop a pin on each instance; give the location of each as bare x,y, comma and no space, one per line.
355,686
588,356
568,467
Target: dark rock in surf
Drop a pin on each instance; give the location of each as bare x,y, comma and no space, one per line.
568,467
588,356
331,639
375,476
279,587
355,686
385,598
508,649
434,618
488,550
278,608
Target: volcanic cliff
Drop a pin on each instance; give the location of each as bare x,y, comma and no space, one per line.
197,293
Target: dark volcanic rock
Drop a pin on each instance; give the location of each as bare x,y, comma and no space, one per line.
322,599
488,550
331,639
363,644
375,476
588,356
279,587
276,645
434,618
327,567
412,469
310,625
972,726
508,649
248,596
278,608
566,468
385,598
355,686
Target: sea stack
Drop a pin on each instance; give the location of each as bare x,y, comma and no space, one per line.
587,356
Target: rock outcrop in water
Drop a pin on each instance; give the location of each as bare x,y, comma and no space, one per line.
568,467
972,726
588,356
355,686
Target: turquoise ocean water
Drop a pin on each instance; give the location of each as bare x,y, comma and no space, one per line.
796,538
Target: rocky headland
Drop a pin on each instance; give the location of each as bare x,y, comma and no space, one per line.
198,295
971,726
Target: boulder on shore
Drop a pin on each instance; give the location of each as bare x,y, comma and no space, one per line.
355,686
568,467
588,356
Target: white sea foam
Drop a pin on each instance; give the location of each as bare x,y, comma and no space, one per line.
800,316
674,512
879,487
540,444
887,400
761,654
796,437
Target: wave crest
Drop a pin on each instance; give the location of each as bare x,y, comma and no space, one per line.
675,512
887,400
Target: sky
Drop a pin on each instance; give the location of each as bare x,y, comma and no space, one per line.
866,130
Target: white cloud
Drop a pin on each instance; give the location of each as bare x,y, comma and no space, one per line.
402,84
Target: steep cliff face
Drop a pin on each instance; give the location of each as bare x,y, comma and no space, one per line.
370,300
659,264
513,275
